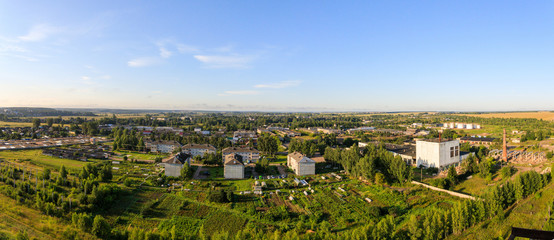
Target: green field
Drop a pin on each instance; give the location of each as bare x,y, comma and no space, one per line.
37,158
140,155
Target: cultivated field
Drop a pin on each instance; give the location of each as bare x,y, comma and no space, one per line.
538,115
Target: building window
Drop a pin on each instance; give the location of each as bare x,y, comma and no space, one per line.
457,151
451,151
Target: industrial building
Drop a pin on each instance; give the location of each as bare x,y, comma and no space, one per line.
300,164
233,167
437,153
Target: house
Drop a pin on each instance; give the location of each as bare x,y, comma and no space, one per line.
162,146
174,165
300,164
233,167
437,153
198,149
248,154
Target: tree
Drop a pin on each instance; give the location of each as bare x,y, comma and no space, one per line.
100,227
49,122
452,176
63,172
186,171
46,173
36,123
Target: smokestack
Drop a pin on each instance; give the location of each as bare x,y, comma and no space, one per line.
504,148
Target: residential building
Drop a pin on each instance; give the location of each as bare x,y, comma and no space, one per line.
300,164
248,154
233,167
162,146
174,165
244,134
198,149
437,153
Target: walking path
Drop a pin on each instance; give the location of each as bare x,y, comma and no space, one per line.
457,194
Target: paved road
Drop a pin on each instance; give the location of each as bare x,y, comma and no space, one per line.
197,173
457,194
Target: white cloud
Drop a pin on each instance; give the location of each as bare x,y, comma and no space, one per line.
39,32
240,92
165,53
182,48
143,62
106,77
282,84
215,61
87,80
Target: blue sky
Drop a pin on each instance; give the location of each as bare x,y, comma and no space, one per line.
278,55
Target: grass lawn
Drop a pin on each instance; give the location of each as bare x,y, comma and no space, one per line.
140,155
36,157
279,159
475,186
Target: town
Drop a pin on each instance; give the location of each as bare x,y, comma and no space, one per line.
296,175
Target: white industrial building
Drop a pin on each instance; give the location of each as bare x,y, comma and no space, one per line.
300,164
437,153
233,168
198,149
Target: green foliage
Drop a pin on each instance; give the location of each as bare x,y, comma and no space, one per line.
507,171
100,227
186,172
268,144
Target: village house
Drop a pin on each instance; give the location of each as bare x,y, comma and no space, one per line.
300,164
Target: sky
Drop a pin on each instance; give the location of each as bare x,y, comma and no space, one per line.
278,55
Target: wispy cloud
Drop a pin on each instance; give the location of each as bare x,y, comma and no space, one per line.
39,33
183,48
239,92
106,77
218,61
165,53
282,84
143,62
87,80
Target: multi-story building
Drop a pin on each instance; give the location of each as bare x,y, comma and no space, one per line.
300,164
162,146
174,165
248,154
233,167
198,149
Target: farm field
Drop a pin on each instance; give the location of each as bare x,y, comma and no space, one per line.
537,115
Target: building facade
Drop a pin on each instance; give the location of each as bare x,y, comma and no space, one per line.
248,154
162,146
174,165
233,167
437,153
300,164
198,149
